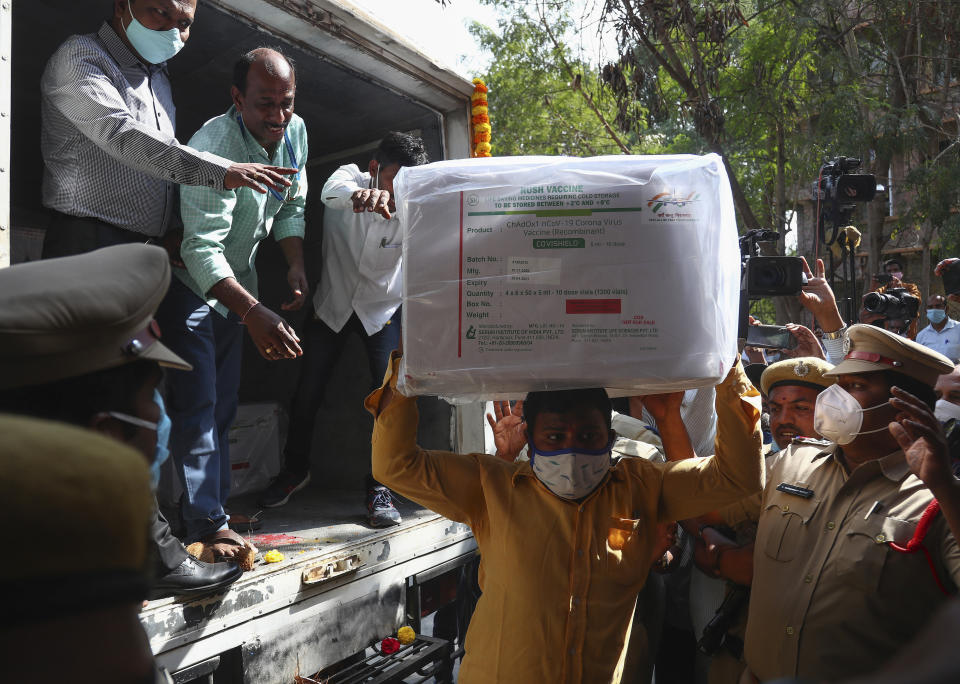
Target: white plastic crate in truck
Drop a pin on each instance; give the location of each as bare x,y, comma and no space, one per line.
531,273
254,447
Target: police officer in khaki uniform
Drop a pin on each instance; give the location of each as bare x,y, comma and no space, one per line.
78,344
851,558
724,540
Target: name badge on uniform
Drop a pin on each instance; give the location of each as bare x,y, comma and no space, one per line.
795,490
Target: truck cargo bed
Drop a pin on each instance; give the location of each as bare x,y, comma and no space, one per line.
340,586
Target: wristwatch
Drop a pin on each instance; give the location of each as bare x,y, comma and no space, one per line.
836,334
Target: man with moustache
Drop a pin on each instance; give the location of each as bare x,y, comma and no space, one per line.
215,295
724,540
856,542
112,161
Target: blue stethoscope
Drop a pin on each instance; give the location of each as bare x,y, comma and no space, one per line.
293,156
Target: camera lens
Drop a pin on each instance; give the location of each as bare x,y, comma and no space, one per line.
879,303
769,276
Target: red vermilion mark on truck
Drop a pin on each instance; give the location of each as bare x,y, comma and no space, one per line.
593,306
274,539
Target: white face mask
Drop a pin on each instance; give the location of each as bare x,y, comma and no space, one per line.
571,474
838,416
946,410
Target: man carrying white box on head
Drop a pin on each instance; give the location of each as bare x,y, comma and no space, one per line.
567,539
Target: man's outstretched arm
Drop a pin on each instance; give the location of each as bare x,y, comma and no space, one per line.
444,482
694,486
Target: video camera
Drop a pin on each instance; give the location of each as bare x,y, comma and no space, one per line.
765,276
895,304
839,190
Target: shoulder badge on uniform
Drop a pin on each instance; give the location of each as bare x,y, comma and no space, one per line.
801,369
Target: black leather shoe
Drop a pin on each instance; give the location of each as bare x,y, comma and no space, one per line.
193,577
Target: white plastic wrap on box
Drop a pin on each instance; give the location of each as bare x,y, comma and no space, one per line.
532,273
254,447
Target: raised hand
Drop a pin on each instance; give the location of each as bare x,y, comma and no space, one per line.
661,406
807,343
509,429
818,298
920,435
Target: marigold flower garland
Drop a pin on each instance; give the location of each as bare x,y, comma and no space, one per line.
480,118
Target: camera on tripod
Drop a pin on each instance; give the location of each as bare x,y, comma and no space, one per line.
838,190
841,189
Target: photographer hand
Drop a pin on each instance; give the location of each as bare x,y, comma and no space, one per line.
944,265
807,343
817,297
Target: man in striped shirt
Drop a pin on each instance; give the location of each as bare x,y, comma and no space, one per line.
112,162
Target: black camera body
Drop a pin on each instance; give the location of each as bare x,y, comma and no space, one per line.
840,189
765,276
896,304
773,276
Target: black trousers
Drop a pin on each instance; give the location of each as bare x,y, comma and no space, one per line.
68,235
71,235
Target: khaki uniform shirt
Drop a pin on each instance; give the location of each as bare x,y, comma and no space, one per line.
560,578
830,598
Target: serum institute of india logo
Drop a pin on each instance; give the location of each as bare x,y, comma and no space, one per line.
673,206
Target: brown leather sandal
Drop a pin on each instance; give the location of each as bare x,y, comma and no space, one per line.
206,549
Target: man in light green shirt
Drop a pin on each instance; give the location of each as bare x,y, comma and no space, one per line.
215,294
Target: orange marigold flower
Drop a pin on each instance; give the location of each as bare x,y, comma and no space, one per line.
481,118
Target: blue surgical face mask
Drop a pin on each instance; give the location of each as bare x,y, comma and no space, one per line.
163,440
153,46
936,316
571,473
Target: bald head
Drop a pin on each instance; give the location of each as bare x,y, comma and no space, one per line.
264,85
267,62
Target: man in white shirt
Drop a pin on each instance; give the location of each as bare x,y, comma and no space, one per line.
360,292
942,334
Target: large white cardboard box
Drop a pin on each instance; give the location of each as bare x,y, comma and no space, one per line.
532,273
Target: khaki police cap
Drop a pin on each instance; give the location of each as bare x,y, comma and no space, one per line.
806,371
870,349
78,508
60,318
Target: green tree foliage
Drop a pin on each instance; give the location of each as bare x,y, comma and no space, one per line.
774,86
543,99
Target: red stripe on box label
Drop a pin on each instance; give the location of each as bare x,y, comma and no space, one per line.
593,306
